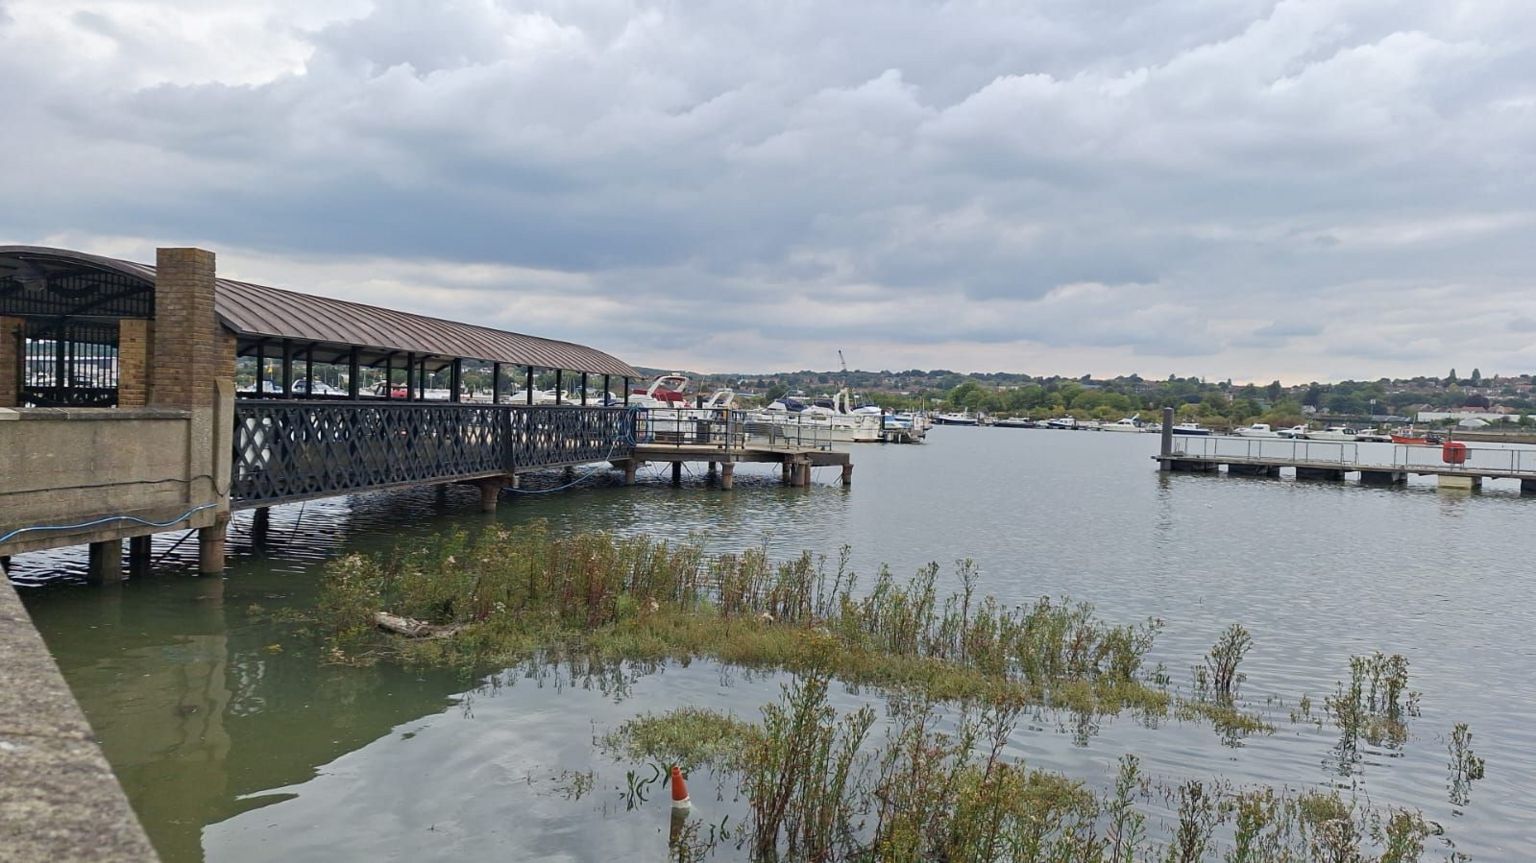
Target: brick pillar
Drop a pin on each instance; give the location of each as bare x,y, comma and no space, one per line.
133,342
11,331
186,333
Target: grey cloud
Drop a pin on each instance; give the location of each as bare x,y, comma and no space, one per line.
916,173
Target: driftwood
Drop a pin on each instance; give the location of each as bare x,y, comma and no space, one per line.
411,627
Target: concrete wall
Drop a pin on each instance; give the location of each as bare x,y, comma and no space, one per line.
69,465
140,467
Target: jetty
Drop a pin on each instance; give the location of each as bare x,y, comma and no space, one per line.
1455,464
120,416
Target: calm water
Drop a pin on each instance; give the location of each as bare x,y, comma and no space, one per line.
235,742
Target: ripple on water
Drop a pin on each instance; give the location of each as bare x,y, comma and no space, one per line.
1316,571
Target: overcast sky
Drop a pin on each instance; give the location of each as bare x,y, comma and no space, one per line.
1302,189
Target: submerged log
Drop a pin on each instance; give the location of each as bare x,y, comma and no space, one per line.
411,627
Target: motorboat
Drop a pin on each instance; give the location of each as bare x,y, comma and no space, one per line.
1408,437
830,419
1294,432
963,418
1016,423
1334,433
667,391
1061,423
1373,437
1257,430
1193,429
1128,424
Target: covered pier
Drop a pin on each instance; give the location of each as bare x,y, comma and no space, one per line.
136,399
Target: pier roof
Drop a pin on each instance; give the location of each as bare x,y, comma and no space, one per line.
258,313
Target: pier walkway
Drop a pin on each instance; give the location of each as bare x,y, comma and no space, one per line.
1460,466
139,399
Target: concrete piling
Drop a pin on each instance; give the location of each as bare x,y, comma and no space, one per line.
210,547
727,475
106,562
139,556
677,473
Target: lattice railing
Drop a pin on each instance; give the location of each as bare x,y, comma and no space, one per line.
291,450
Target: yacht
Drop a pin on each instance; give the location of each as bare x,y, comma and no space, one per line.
1129,424
963,418
1334,433
1188,428
1061,423
1296,432
1257,430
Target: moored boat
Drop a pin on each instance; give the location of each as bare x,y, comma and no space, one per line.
1189,428
1256,430
963,418
1335,433
1128,424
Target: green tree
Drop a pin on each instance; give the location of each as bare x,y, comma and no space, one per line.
1477,377
1450,379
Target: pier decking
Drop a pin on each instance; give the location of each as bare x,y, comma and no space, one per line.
727,438
1464,467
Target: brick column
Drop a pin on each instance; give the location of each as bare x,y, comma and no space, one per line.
134,337
186,332
11,330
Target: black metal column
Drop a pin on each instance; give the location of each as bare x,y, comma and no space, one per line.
495,383
353,373
559,386
287,369
529,384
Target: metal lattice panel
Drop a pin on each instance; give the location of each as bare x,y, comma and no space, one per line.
295,450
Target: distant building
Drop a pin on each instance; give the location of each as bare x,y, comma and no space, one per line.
1489,416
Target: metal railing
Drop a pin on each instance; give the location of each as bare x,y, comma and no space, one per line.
729,430
291,450
1346,454
1214,446
1494,458
691,427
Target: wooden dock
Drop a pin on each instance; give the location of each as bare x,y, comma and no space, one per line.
1460,467
723,439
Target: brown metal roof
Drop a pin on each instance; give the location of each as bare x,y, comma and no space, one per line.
259,311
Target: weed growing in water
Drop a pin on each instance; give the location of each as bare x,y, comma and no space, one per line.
1226,654
1374,706
503,597
820,790
1465,766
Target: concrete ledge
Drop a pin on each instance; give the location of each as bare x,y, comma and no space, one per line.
59,800
105,414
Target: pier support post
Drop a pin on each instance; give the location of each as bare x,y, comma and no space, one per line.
5,565
847,474
138,555
728,475
490,493
1166,447
677,473
629,471
210,546
786,475
1252,470
1462,483
713,468
1382,477
106,562
1528,486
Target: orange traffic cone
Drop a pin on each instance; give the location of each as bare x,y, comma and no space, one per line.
679,790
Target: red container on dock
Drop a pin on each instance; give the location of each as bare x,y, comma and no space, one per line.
1454,452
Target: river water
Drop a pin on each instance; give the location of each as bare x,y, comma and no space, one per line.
236,742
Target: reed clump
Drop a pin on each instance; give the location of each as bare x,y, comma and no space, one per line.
942,787
501,597
1374,705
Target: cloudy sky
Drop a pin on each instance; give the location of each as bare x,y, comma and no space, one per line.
1301,189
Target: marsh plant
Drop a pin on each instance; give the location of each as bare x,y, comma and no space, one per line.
1465,766
1222,662
941,786
1373,706
495,600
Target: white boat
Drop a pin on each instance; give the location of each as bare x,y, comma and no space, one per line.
1335,433
1372,437
1129,424
1257,430
963,418
1297,432
667,391
1016,423
1195,429
838,423
1061,423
